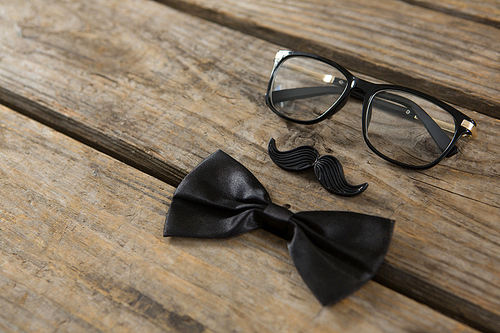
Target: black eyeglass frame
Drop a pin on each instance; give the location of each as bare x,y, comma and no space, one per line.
365,91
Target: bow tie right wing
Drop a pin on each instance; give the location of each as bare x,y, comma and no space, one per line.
338,252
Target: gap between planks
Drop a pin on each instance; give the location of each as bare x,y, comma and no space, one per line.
484,12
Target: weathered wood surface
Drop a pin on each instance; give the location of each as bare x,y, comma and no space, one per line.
452,58
151,86
482,11
81,250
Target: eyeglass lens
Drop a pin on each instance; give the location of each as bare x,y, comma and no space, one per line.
304,88
401,126
407,128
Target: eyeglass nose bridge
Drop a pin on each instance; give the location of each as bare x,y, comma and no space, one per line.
360,87
357,89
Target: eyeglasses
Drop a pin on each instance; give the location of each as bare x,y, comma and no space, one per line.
402,125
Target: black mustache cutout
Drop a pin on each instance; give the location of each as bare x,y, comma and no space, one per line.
327,168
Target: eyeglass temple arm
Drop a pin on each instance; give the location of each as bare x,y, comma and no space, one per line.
293,94
436,132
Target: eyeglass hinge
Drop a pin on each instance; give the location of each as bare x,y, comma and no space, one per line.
280,55
470,126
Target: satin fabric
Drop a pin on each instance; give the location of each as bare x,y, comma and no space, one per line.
334,252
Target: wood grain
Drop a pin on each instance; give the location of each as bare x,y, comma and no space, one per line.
452,58
82,251
482,11
150,85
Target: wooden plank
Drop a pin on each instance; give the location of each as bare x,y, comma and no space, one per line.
452,58
137,77
82,250
482,11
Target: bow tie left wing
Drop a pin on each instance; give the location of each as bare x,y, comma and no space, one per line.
218,198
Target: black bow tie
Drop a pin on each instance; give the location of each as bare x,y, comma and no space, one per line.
334,252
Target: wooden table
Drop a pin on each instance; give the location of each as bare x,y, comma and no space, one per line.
107,105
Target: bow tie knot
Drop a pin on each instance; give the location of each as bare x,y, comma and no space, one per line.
277,221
